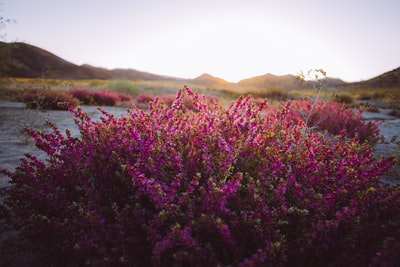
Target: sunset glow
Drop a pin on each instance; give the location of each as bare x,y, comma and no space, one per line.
352,40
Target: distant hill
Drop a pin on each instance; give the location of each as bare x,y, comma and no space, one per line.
28,61
207,79
285,82
390,79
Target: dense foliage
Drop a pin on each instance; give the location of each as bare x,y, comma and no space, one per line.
99,97
144,100
333,117
241,186
38,98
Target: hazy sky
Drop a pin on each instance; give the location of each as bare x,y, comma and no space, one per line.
350,39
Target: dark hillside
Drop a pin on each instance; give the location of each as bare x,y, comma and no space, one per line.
28,61
390,79
270,81
208,79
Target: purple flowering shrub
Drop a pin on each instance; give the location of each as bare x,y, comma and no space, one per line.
84,95
99,97
105,97
333,117
39,98
144,100
214,187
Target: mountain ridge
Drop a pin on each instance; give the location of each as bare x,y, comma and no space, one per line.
22,60
28,61
389,79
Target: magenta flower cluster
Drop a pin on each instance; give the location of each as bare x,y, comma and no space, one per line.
241,186
333,117
103,97
41,98
143,100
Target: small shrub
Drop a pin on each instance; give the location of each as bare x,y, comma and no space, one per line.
394,113
371,108
144,98
85,96
123,97
123,86
258,101
209,100
365,97
168,99
105,97
215,187
344,99
333,117
48,99
10,94
371,96
99,97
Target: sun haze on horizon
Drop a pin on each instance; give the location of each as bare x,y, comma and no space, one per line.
232,40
